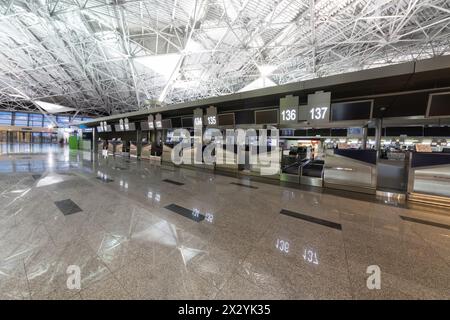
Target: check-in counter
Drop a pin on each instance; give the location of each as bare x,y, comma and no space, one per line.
115,148
267,163
307,172
228,159
188,159
429,178
311,173
133,149
146,150
392,175
100,146
118,149
350,169
166,156
111,147
148,153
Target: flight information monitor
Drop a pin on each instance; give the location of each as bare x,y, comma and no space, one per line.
166,124
355,132
187,122
226,119
266,116
439,105
144,126
131,127
355,110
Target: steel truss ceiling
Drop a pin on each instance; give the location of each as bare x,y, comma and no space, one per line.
111,56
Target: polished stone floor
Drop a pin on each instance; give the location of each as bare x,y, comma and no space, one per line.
220,240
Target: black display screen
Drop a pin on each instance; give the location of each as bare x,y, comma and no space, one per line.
439,105
166,124
144,126
176,122
345,111
338,132
437,131
300,133
287,132
266,116
117,127
245,117
319,132
187,122
408,131
226,119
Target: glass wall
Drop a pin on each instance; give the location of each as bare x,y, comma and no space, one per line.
47,122
63,121
36,137
36,120
25,119
5,118
21,119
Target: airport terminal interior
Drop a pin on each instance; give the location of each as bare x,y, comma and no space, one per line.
225,150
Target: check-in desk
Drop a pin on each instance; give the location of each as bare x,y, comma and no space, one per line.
307,172
146,150
115,148
311,173
166,156
429,178
226,159
188,154
118,148
111,147
133,149
392,175
150,154
100,146
266,164
350,169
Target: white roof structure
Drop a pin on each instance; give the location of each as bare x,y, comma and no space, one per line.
112,56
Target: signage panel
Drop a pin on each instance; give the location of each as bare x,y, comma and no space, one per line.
198,117
211,117
158,121
288,110
438,105
151,124
318,109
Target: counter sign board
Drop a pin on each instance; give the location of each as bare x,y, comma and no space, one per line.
151,124
288,110
198,117
211,117
158,121
318,109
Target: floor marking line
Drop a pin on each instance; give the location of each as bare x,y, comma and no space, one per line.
426,222
315,220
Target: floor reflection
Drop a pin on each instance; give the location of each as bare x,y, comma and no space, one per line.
130,244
